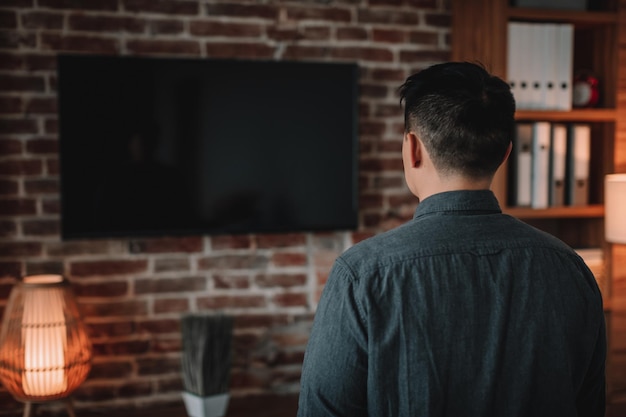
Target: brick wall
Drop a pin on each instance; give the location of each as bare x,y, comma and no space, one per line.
133,292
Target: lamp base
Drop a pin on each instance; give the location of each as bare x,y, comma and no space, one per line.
29,408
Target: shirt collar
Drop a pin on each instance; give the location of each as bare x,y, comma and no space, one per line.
459,202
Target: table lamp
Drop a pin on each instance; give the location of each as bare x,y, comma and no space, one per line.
615,208
44,350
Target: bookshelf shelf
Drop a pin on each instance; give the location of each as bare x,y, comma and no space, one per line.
577,115
578,17
592,211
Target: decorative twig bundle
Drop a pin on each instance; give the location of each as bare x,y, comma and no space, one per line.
206,353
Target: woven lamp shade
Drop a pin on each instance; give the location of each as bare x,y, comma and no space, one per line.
44,350
615,208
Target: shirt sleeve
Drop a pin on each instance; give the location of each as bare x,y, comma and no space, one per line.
334,371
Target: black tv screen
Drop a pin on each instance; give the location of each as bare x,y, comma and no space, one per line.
156,146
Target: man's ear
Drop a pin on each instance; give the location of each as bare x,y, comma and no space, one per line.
414,148
508,152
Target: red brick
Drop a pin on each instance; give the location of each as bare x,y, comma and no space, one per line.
360,236
363,53
106,5
10,269
38,62
167,245
172,264
109,329
372,128
424,38
106,23
242,10
231,242
8,228
40,227
370,201
51,126
424,56
114,308
352,33
281,240
331,14
388,17
243,261
10,147
130,347
160,326
22,83
265,320
52,165
8,19
231,29
17,126
239,50
157,366
169,285
289,259
374,91
108,267
11,61
231,301
42,20
15,207
179,7
231,281
42,145
8,249
171,305
387,74
9,187
21,167
17,39
77,248
176,47
101,289
45,267
38,105
382,164
166,27
438,19
111,369
51,206
280,280
389,35
9,104
41,186
79,43
301,52
291,300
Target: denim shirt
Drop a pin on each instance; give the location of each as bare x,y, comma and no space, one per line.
462,311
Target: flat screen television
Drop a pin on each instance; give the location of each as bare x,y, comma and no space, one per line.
160,146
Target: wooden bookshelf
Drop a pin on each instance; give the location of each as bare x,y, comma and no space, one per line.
479,34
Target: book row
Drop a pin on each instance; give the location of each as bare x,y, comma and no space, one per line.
549,165
540,65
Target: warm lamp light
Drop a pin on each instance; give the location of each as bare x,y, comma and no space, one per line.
44,350
615,208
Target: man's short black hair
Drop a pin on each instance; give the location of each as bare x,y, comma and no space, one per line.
463,115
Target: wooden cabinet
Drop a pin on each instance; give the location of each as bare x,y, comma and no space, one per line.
479,33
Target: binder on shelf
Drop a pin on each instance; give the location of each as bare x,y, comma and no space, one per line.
521,162
540,164
558,161
578,157
514,59
563,58
550,49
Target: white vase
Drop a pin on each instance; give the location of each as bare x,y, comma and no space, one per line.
211,406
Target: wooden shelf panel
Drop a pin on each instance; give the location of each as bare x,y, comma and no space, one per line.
593,211
576,115
577,17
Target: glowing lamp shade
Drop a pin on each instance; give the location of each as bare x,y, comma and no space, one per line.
44,350
615,208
